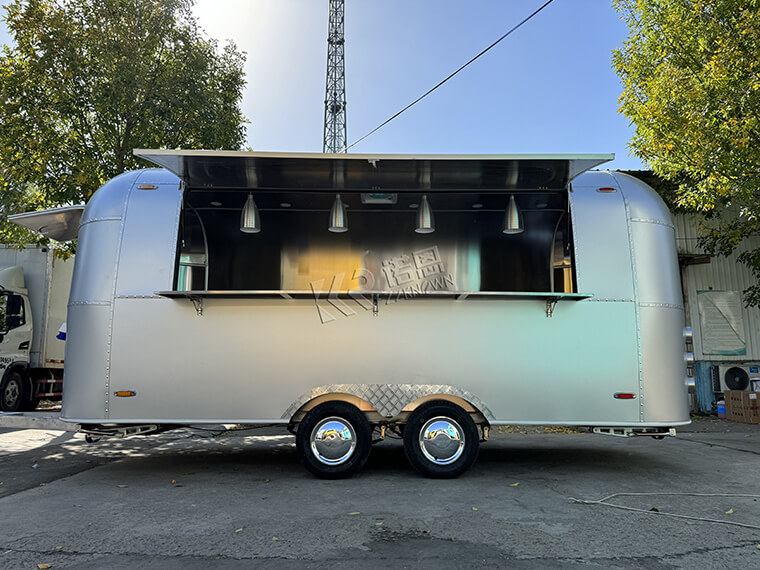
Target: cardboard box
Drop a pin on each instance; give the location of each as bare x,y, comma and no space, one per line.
734,405
742,406
751,405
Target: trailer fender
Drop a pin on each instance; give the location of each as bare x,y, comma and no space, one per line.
363,405
389,400
467,406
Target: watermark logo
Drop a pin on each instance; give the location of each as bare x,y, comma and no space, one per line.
406,275
410,275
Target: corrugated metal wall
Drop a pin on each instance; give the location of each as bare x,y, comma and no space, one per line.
686,234
720,274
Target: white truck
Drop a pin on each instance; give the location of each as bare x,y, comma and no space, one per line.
34,291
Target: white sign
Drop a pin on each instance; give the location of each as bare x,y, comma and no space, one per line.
722,326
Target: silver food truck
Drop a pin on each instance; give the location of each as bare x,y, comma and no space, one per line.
342,296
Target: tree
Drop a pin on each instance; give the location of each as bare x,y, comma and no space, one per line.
89,80
691,86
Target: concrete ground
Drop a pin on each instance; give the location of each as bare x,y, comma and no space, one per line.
196,499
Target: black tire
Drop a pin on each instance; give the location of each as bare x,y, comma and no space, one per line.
12,392
333,440
454,444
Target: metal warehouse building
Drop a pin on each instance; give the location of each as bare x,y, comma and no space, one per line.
726,333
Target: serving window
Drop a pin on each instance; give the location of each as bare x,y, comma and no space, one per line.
381,248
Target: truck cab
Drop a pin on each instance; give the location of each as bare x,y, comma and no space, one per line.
15,339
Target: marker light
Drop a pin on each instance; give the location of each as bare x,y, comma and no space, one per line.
624,396
125,394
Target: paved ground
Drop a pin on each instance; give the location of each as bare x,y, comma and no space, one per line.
190,499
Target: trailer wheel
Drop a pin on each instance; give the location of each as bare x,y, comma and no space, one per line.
12,393
333,440
441,440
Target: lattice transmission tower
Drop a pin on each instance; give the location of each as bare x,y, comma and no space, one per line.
335,90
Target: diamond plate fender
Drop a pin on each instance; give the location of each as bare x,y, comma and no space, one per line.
389,399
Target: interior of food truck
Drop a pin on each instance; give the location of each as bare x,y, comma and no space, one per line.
383,242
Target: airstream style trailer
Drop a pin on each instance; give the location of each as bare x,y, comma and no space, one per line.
346,295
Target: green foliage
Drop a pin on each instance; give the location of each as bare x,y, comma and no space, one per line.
667,189
691,79
89,80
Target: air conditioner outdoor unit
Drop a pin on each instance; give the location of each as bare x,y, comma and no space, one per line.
738,376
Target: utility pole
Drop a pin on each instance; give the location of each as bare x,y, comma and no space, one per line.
335,90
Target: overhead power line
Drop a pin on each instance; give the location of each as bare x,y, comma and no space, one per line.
421,97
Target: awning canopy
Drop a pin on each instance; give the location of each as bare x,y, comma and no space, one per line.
203,169
60,224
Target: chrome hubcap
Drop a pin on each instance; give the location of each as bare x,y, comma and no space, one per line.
333,441
442,440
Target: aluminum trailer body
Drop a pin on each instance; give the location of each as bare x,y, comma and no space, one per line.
572,317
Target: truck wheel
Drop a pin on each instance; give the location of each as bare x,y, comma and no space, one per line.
441,440
12,392
333,440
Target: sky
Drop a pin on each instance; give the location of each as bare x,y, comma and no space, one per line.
547,88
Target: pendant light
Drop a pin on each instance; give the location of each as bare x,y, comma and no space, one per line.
338,217
249,219
513,220
425,222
